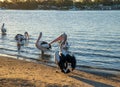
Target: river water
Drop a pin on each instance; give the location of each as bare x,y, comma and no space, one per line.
93,36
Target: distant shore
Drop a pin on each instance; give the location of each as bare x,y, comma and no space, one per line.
21,73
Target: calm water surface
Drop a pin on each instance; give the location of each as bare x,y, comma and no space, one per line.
93,36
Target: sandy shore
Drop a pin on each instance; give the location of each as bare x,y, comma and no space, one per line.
20,73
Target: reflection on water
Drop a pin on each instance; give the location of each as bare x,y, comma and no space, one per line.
3,37
18,56
26,43
44,58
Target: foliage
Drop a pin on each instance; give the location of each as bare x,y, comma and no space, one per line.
56,4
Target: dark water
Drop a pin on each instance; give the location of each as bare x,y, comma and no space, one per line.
93,36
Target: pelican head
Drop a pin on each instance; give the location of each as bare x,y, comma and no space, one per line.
26,36
62,39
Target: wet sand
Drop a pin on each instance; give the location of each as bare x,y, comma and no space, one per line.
21,73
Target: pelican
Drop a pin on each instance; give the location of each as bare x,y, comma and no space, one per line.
42,45
63,58
3,30
21,39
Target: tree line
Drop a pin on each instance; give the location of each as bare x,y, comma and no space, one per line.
54,4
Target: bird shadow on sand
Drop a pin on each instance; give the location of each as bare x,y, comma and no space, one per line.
104,74
94,83
15,82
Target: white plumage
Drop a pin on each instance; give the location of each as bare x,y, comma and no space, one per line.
42,45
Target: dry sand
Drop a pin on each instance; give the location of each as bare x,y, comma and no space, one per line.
20,73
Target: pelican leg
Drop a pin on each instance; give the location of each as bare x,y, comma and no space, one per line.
18,46
42,52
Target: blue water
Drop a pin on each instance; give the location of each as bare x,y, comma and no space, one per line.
93,36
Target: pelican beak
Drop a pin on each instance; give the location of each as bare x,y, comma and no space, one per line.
57,39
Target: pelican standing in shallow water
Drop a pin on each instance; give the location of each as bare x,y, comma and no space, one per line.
21,39
63,58
3,30
42,45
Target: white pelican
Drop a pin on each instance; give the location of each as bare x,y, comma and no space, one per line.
42,45
3,30
63,58
21,39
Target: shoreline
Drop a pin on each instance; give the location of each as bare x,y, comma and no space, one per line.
89,69
19,73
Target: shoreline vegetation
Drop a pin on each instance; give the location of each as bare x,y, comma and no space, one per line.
60,5
21,73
